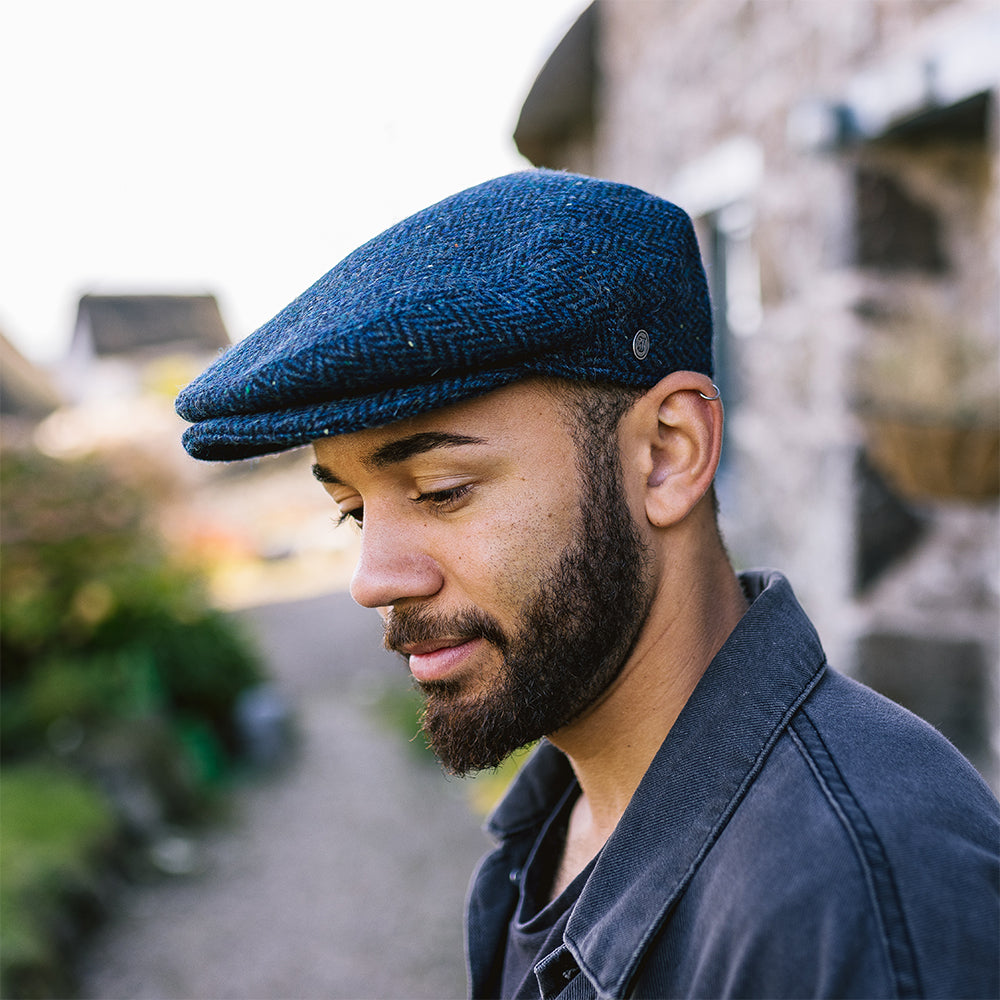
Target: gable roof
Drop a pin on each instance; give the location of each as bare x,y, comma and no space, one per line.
127,324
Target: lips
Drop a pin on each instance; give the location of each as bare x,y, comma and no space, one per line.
436,659
429,646
440,646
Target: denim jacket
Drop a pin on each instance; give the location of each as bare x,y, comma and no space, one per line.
796,835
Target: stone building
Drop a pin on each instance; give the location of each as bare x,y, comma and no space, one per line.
840,160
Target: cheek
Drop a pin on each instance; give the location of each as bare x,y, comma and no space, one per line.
515,555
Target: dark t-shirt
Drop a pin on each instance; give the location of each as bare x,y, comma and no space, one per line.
537,927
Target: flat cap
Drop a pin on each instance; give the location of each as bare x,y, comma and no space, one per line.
534,273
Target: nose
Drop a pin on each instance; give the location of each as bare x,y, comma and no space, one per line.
392,567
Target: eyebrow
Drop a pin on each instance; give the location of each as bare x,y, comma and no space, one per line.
398,451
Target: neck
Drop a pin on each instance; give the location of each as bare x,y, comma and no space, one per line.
612,745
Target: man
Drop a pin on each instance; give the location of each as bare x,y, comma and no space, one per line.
511,393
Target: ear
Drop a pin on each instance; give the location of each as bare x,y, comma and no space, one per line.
675,434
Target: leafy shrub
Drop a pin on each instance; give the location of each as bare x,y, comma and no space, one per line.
54,827
97,622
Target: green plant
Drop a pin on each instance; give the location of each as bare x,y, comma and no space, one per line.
97,622
54,828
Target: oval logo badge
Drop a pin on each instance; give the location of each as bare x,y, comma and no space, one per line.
640,344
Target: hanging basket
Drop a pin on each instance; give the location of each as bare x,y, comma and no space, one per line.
936,459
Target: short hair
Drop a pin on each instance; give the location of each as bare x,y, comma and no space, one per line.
593,412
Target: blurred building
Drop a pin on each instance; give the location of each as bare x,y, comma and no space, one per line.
262,529
840,160
27,396
127,357
123,344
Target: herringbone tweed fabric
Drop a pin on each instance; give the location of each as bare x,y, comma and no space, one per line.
533,273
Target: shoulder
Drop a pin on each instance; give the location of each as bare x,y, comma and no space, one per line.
894,765
923,824
862,860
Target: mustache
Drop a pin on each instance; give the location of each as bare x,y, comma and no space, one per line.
403,626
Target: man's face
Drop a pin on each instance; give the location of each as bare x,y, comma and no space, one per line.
508,570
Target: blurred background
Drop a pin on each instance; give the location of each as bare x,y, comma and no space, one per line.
205,754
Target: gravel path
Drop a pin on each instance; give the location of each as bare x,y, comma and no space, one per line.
341,877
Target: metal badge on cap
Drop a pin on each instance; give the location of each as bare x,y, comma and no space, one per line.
640,344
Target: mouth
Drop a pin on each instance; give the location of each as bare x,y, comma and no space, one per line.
436,659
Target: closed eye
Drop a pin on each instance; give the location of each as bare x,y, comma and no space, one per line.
357,516
444,500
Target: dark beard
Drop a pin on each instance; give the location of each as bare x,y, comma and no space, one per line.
577,631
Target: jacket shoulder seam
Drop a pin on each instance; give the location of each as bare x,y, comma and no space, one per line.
869,850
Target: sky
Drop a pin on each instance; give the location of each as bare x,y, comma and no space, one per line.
239,147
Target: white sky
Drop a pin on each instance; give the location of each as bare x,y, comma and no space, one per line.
239,147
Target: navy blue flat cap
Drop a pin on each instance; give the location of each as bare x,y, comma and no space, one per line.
535,273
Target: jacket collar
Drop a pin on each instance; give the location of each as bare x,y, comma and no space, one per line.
766,669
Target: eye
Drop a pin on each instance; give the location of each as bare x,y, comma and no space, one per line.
357,516
444,500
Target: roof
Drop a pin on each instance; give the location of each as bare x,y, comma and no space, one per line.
560,104
127,324
25,390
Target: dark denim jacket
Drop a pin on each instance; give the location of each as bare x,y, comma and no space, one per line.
796,835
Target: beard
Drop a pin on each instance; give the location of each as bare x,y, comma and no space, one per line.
574,635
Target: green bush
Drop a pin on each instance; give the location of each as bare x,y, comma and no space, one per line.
97,622
54,828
